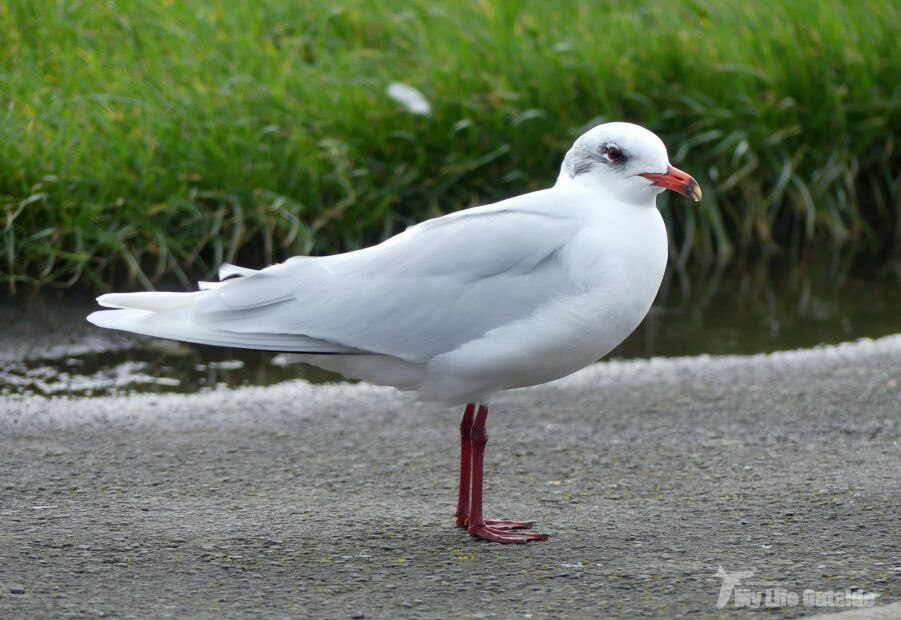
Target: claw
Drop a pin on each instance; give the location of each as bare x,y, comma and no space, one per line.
501,524
507,524
497,535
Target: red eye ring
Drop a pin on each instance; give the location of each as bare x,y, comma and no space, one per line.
613,152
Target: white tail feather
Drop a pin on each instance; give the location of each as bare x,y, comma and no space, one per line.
228,270
177,325
156,302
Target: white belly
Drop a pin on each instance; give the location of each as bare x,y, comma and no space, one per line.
623,266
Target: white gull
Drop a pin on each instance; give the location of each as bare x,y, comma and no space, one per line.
460,307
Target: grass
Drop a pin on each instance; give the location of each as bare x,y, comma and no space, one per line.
143,139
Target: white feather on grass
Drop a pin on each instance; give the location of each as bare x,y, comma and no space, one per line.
410,98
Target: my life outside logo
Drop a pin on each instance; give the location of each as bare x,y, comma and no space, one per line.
743,593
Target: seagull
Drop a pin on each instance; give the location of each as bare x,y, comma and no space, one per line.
460,307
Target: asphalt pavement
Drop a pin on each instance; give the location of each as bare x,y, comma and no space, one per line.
657,481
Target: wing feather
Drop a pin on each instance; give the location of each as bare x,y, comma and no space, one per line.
422,293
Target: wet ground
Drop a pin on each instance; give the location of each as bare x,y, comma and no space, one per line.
336,501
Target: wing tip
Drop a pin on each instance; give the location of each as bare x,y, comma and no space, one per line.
94,318
114,319
111,300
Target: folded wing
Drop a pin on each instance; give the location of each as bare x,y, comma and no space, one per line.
422,293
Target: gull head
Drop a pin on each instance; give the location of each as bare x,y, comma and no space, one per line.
626,161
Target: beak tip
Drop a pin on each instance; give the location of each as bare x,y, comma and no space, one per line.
677,181
696,193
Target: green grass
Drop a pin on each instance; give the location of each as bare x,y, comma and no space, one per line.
145,139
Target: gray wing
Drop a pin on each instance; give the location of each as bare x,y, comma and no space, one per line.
422,293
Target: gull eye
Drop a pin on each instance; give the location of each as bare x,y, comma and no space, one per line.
613,153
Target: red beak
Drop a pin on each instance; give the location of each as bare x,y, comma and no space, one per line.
677,181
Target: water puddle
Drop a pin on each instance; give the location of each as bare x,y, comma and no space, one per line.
740,309
152,367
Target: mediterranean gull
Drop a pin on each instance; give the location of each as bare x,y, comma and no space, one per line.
460,307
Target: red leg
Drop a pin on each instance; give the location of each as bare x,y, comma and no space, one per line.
462,514
465,464
477,525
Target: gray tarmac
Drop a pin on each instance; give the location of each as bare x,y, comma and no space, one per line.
337,501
